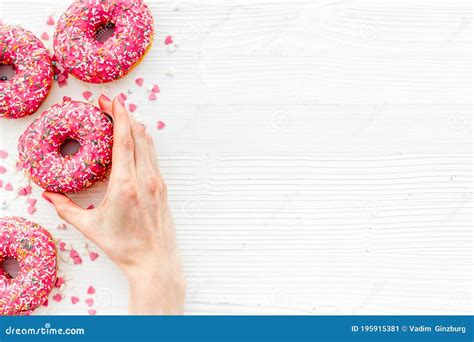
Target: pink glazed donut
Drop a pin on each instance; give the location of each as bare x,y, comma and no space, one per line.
40,147
77,44
34,249
24,93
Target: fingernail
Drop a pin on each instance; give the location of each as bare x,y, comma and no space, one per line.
105,97
121,100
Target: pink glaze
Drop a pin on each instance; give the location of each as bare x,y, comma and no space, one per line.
39,147
77,48
24,93
34,249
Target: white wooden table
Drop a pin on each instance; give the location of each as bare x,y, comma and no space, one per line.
318,155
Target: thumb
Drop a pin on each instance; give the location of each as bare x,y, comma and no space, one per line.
68,210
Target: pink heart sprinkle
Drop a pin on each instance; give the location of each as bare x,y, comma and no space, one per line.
58,297
91,290
31,210
59,281
62,246
89,301
66,98
155,89
45,36
160,125
3,154
2,169
132,107
87,95
169,40
73,253
139,81
8,187
77,260
62,84
152,97
25,191
32,201
124,97
50,20
93,256
75,300
91,206
91,312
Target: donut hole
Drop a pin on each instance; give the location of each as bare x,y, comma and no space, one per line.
104,31
7,72
69,147
11,266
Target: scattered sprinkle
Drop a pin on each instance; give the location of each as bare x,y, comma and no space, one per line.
3,154
74,300
87,95
93,256
160,125
124,97
152,97
59,281
132,107
58,297
77,260
139,81
90,206
67,98
91,312
50,21
25,191
155,89
91,290
61,226
2,169
8,187
89,301
168,40
31,201
73,253
62,246
31,210
45,36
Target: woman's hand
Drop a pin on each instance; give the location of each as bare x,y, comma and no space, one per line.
133,224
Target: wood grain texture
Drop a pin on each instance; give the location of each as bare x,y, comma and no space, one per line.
318,155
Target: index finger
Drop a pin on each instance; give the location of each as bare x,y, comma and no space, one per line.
123,161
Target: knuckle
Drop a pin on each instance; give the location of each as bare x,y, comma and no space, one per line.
128,143
127,190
